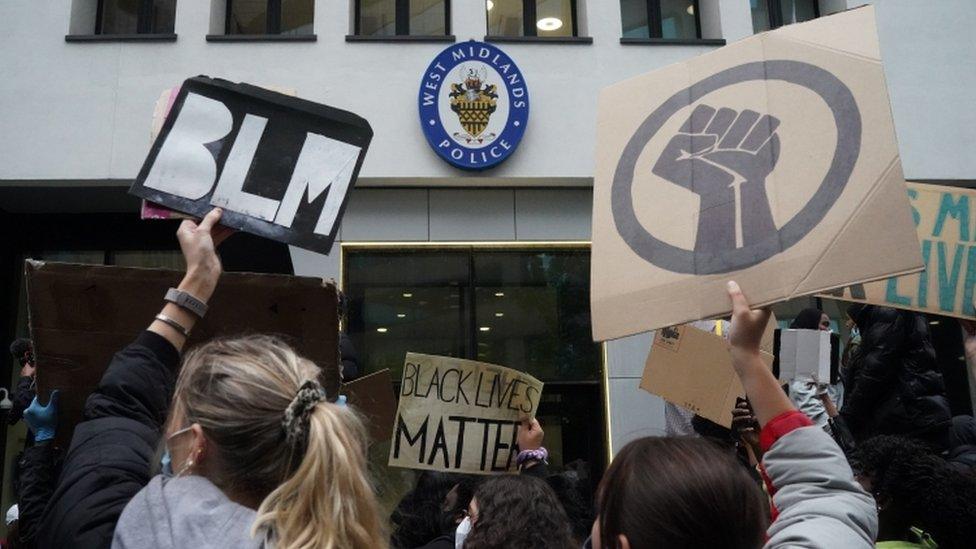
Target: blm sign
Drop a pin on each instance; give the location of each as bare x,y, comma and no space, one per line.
460,415
279,166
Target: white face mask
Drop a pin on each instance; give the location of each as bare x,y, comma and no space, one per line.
463,529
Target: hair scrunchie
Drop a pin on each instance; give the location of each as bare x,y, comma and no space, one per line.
295,422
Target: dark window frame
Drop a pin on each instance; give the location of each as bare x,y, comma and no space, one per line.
143,19
655,22
272,21
775,12
401,12
529,30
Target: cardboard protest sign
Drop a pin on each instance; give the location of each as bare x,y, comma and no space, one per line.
945,218
279,166
693,369
81,315
373,396
460,415
806,355
771,161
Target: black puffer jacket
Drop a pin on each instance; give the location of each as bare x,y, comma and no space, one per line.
893,383
112,449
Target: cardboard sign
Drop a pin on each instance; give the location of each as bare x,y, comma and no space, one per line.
460,415
279,166
771,161
373,397
945,218
81,315
806,355
693,369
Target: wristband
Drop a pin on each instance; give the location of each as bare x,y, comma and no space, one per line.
172,323
539,454
186,301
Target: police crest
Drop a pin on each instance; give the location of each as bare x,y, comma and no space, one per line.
474,101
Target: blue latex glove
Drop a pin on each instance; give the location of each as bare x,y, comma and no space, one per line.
43,419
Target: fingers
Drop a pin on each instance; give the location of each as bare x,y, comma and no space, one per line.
739,129
531,424
760,133
698,120
720,122
210,220
739,302
55,396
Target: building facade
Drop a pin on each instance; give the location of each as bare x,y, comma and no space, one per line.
490,265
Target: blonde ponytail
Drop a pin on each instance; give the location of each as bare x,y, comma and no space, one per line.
328,502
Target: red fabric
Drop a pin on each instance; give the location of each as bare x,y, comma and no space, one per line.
781,425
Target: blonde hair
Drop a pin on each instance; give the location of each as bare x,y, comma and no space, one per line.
314,490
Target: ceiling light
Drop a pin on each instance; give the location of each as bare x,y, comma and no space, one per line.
499,294
499,315
407,294
691,9
933,322
485,328
401,315
490,5
549,24
382,330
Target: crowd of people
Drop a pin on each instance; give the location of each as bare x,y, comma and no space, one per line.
236,444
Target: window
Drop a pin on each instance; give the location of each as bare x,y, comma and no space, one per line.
402,17
252,17
770,14
671,19
527,309
135,17
543,18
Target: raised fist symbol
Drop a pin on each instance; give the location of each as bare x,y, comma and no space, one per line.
724,157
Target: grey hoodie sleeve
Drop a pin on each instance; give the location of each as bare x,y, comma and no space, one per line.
819,502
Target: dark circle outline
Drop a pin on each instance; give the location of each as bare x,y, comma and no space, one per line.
847,119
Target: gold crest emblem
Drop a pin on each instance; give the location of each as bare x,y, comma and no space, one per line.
474,101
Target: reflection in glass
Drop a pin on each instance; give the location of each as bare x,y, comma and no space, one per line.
120,16
633,16
297,16
428,18
377,17
505,18
760,15
797,11
554,17
678,19
248,17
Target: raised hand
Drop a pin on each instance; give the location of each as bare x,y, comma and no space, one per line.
724,156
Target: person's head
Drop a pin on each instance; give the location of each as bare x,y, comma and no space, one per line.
572,488
915,488
248,415
22,349
678,493
517,512
811,319
435,506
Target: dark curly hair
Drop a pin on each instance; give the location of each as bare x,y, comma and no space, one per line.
518,512
914,487
423,514
680,493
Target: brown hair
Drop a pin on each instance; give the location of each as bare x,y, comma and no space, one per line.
314,492
680,493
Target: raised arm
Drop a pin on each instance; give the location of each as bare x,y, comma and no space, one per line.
817,502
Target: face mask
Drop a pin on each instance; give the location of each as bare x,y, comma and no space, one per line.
166,460
463,529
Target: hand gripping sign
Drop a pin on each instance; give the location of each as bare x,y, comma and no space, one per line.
771,161
279,166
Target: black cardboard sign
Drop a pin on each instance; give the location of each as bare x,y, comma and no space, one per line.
279,166
81,315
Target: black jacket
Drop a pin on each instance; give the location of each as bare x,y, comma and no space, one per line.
23,396
112,449
38,471
893,383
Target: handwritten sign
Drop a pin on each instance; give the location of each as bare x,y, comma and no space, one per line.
460,415
945,219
